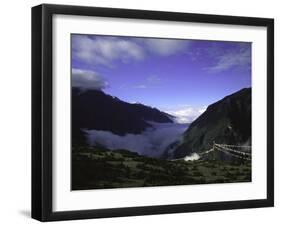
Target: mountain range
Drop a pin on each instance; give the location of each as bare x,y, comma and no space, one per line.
226,121
95,110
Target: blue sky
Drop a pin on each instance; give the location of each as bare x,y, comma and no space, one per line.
181,77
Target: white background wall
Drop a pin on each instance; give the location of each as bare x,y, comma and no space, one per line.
15,114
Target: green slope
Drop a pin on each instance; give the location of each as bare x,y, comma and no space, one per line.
99,168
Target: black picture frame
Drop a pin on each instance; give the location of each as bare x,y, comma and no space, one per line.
42,111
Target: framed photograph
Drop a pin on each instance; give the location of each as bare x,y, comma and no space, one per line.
145,112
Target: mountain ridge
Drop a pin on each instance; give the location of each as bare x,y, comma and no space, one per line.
225,121
94,109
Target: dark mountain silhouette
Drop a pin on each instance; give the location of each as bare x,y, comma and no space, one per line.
93,109
226,121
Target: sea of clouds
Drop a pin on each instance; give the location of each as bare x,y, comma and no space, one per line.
153,142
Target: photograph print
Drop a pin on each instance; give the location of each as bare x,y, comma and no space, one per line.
149,111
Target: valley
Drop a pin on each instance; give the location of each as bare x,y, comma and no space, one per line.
116,144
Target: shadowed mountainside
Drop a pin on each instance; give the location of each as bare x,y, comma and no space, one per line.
226,121
93,109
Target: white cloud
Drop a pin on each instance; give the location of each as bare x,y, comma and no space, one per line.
104,50
152,142
239,57
186,114
192,157
107,49
86,79
165,47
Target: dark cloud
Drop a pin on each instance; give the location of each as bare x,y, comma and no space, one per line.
85,79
